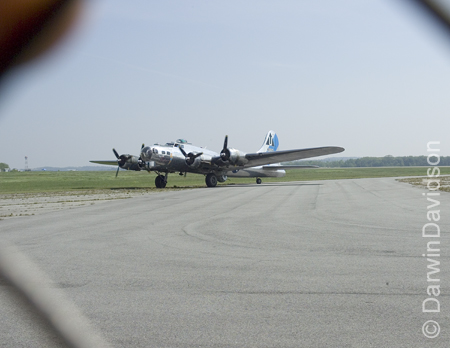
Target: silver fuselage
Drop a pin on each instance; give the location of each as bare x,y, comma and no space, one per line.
168,158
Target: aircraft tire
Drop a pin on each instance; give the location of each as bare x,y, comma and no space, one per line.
211,180
160,182
258,181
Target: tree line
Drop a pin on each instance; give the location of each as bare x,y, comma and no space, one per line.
3,167
386,161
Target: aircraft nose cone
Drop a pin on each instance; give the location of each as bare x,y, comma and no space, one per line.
146,153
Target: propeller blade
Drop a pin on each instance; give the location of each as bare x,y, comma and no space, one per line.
115,153
182,151
225,153
117,172
143,145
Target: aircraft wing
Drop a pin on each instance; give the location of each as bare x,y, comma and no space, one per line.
288,167
263,158
108,163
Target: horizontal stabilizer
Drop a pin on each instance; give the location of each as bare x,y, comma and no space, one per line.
272,167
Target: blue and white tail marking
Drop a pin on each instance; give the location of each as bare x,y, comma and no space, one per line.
270,142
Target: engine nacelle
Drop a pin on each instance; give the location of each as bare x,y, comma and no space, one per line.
130,162
236,157
195,163
146,153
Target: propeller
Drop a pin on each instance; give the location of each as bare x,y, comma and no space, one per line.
140,158
118,161
115,153
128,162
225,153
121,160
190,157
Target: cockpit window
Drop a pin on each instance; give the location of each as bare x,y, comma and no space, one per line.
155,151
181,141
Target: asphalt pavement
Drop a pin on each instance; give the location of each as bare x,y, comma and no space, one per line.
333,263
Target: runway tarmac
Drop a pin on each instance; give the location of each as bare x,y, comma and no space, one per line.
301,264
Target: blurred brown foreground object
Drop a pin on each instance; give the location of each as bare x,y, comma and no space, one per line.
30,27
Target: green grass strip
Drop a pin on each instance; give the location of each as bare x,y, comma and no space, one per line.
33,182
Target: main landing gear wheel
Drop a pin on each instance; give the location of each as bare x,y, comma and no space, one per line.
258,181
160,181
211,180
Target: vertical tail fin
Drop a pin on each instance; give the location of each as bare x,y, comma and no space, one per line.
270,142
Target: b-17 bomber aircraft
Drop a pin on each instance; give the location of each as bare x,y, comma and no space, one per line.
183,157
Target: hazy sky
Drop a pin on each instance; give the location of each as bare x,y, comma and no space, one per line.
372,76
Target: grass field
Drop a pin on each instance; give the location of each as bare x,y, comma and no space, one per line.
33,182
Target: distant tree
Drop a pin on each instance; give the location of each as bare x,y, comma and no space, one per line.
386,161
3,167
444,161
349,163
